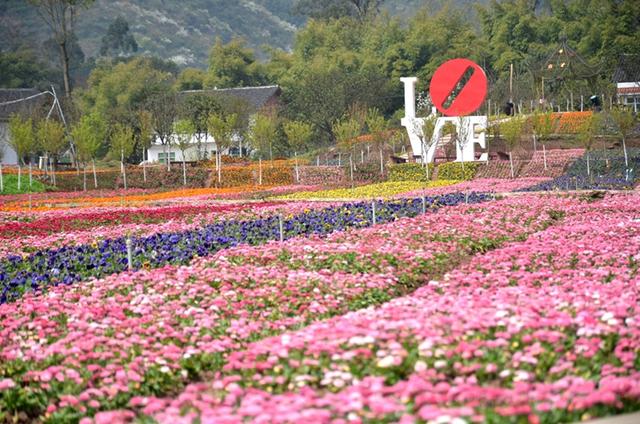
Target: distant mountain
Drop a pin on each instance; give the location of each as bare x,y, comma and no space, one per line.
180,30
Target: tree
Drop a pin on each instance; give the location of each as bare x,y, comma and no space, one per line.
425,129
511,131
59,16
543,125
345,131
262,133
462,135
118,91
88,135
624,122
118,41
191,79
22,69
21,138
233,65
164,111
222,129
122,145
587,133
298,134
184,131
50,135
333,9
197,107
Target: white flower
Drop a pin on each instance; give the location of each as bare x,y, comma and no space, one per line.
165,369
361,340
607,316
521,376
504,373
420,366
440,364
425,346
386,362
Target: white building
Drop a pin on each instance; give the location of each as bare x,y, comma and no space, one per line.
627,79
250,99
202,146
8,156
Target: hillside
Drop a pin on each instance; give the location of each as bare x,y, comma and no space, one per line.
182,31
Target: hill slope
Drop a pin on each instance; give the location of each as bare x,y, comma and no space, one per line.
183,30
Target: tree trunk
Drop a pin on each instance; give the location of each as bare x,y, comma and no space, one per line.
1,179
84,177
64,58
184,172
260,171
381,162
511,165
297,169
535,146
219,168
95,176
19,178
544,156
588,167
124,175
30,175
626,157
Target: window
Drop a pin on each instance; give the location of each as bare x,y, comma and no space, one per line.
162,157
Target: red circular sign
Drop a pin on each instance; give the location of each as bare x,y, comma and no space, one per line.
458,87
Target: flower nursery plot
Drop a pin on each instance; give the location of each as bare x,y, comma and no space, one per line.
498,310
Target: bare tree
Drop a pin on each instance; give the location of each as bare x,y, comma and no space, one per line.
163,108
60,16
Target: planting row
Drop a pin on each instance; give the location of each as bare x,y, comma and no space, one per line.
69,264
542,330
120,341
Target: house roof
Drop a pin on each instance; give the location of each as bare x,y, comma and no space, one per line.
256,97
628,69
9,95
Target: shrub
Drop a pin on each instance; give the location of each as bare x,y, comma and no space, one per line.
11,185
457,171
409,172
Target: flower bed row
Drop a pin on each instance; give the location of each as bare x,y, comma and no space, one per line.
116,342
378,190
24,246
542,330
70,264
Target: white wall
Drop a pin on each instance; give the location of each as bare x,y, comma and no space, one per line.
9,157
191,154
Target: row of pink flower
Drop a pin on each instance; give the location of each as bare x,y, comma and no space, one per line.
96,345
29,244
546,329
496,185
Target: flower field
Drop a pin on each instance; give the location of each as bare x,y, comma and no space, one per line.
445,302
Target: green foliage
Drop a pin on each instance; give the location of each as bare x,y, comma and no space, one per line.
543,125
262,133
233,65
183,132
588,130
191,79
376,124
50,136
222,129
410,172
624,121
118,41
512,130
114,91
88,134
457,171
21,136
298,134
345,131
122,142
11,184
22,69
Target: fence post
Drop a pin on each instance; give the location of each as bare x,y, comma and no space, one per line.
381,162
259,171
544,156
424,205
351,169
1,179
129,254
30,175
297,169
373,212
19,178
281,228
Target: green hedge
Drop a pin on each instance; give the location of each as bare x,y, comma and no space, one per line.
457,171
410,172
